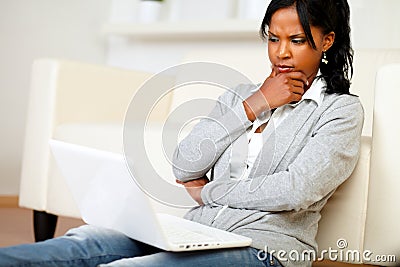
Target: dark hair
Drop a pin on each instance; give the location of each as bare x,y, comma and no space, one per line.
329,15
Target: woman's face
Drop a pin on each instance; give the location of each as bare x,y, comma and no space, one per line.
288,49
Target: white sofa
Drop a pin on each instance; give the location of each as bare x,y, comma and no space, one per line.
85,104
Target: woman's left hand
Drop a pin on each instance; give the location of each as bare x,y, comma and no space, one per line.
194,188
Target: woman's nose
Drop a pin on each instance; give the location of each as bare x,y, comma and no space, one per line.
284,51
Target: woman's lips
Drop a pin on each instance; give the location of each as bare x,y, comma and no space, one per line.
284,69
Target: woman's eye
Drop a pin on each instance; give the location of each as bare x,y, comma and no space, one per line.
273,39
299,41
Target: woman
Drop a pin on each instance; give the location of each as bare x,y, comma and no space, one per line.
310,146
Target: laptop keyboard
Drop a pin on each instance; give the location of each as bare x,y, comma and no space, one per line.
179,235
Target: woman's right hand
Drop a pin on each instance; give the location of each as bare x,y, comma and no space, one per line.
277,90
283,88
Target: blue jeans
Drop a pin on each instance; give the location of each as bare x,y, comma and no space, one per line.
95,246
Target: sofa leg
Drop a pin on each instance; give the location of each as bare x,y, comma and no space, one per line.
44,225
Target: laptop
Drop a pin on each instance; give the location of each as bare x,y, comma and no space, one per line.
107,196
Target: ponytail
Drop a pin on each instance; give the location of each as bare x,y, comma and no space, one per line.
339,70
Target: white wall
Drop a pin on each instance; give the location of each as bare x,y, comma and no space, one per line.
375,24
157,55
42,28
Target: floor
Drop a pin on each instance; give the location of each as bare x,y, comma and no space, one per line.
16,228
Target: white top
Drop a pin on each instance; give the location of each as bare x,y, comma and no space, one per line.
255,140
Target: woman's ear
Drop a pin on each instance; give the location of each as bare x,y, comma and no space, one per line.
329,39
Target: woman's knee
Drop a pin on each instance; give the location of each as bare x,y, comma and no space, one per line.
111,241
91,231
107,239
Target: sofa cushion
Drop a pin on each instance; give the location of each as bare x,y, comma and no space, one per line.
366,64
